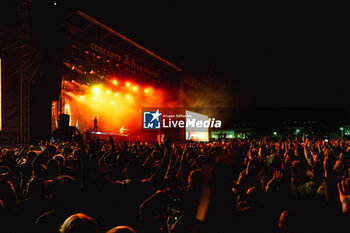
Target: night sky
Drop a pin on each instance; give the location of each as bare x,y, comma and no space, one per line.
255,55
262,57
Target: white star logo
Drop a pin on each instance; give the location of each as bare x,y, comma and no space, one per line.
155,115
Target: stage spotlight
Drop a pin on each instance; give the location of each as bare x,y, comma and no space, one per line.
94,98
112,102
116,94
96,90
148,90
101,100
127,96
115,82
108,91
135,88
67,109
127,84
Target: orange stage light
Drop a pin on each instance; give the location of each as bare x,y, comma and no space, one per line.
115,82
96,90
135,88
127,84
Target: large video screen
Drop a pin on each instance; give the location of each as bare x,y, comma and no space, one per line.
194,133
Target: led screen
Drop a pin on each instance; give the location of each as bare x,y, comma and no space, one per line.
193,133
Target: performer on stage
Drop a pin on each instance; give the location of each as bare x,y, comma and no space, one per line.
95,118
123,130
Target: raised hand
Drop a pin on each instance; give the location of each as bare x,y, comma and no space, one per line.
327,165
344,194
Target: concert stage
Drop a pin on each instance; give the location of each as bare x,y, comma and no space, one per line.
111,79
81,68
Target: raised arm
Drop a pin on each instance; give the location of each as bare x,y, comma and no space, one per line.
344,197
158,177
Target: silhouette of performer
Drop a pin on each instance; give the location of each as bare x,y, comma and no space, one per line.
95,124
123,130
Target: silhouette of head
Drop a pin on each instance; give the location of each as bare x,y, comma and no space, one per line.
36,188
133,170
60,159
291,221
53,168
52,149
194,178
66,193
121,229
78,223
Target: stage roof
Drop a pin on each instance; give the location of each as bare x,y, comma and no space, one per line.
88,25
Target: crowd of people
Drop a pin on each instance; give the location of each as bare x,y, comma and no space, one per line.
252,185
